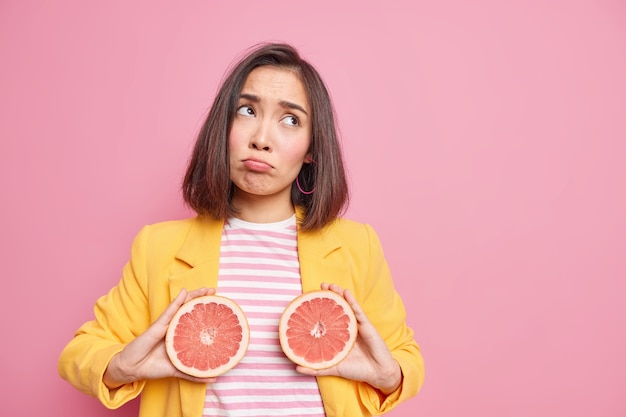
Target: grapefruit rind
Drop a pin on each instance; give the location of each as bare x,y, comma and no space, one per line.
299,332
208,364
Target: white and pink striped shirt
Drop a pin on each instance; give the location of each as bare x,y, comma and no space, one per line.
259,269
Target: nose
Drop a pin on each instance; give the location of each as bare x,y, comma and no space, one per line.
262,137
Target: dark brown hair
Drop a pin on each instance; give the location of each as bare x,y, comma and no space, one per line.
207,187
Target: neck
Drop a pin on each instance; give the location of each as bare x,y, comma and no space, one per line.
262,209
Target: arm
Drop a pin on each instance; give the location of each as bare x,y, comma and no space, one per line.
119,317
385,310
112,356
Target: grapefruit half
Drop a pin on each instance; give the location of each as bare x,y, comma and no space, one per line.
207,336
317,329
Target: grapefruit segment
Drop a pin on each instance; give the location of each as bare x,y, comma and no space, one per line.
317,329
207,336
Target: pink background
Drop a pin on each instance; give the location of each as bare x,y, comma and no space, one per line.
485,141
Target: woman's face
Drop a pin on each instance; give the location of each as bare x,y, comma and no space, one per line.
270,135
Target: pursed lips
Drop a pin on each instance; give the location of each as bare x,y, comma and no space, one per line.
256,165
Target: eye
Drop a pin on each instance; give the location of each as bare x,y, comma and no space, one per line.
291,120
245,110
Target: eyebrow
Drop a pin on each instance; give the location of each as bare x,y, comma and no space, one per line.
283,103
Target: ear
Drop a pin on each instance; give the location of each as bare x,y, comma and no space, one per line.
308,158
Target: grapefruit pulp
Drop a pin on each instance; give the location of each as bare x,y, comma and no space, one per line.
207,336
317,329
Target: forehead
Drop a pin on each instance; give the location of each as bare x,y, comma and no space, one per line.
276,83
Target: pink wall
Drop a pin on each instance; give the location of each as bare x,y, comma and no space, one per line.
486,143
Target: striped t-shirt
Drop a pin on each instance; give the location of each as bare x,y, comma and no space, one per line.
259,269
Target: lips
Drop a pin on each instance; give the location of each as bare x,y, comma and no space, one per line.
256,165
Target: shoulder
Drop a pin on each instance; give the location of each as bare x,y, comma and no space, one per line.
353,232
174,232
343,225
169,228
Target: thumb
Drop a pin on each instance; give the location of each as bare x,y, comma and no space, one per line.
164,319
315,372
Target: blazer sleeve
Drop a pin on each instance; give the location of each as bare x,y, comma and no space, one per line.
119,317
386,311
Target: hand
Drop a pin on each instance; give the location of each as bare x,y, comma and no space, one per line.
145,357
369,360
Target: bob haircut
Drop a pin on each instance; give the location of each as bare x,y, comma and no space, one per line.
207,187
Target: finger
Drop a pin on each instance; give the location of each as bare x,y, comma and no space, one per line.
350,298
182,297
188,377
157,330
360,315
333,287
169,312
312,372
198,293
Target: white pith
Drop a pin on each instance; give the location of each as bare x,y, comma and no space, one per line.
207,336
318,330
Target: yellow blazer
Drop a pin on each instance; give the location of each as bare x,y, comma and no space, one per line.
169,256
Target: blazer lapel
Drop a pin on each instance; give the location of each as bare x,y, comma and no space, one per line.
198,257
317,263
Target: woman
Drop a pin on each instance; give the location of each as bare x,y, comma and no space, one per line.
266,163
